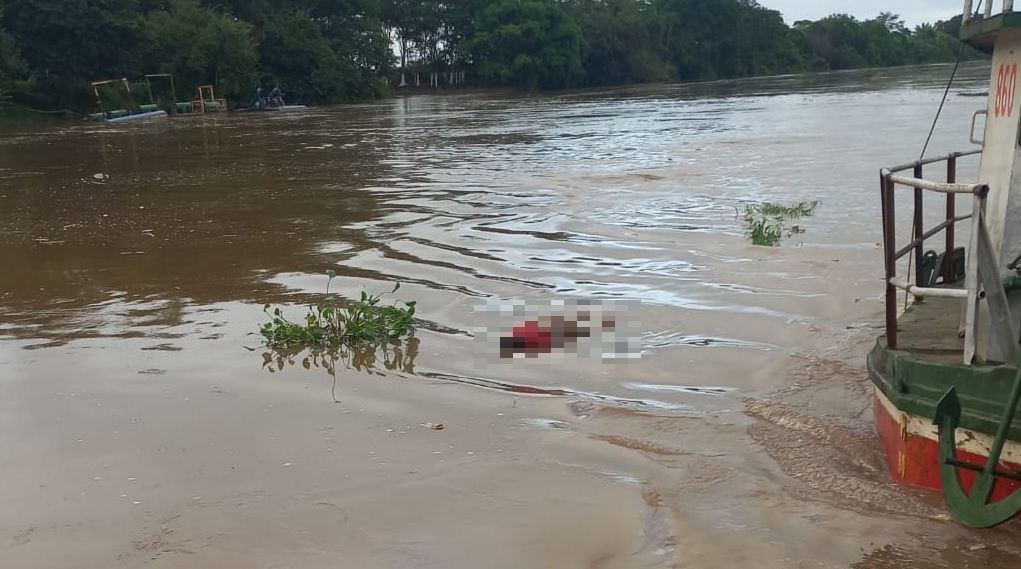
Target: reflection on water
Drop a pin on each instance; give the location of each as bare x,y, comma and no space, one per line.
743,432
394,356
375,360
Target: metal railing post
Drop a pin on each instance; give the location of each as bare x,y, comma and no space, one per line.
889,246
948,256
918,229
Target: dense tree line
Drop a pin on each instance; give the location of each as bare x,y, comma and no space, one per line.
324,51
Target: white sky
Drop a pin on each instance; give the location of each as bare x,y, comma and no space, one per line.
913,12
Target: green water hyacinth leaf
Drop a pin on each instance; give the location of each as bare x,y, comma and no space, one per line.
333,323
767,223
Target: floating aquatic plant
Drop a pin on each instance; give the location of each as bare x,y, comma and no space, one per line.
331,324
767,222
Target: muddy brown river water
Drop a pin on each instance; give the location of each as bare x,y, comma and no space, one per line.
141,423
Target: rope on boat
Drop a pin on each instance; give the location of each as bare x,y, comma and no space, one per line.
960,53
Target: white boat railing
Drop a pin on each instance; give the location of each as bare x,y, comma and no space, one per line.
1008,6
982,281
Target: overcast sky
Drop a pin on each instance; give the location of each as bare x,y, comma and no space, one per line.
913,12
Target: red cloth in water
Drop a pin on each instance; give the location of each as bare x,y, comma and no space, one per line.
534,335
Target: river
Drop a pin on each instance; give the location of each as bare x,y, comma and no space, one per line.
142,423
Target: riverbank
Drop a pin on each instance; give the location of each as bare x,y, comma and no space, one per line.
14,114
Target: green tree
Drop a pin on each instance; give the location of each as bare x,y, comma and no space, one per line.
528,43
418,30
200,46
12,64
254,12
951,27
764,43
318,67
835,42
72,42
622,43
709,39
326,50
447,25
79,39
401,22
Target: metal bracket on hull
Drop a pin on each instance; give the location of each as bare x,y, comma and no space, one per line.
975,510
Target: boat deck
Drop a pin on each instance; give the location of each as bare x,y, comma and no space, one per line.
931,327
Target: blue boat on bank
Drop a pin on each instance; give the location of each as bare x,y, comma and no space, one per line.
138,116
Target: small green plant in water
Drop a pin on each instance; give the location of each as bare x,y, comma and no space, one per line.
329,325
767,222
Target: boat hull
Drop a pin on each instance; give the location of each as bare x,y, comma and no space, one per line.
911,445
140,116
